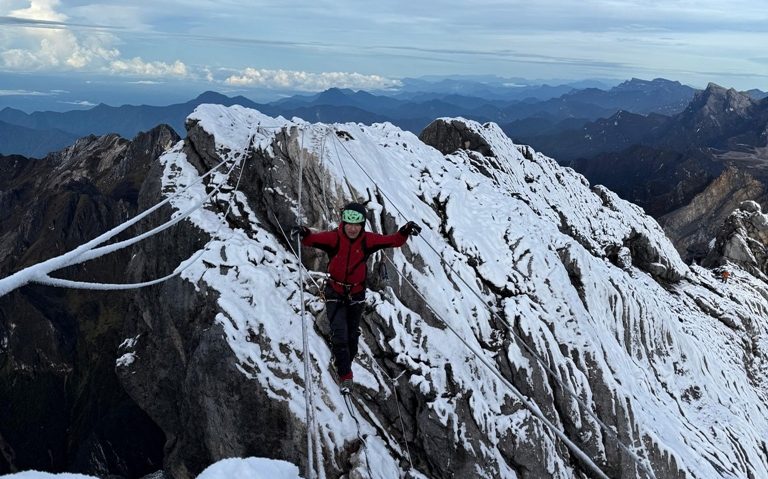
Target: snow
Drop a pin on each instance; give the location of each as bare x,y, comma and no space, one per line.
250,467
40,272
44,475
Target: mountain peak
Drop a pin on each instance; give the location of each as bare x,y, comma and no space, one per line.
717,97
333,93
211,97
637,83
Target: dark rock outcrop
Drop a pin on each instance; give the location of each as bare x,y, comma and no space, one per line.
57,346
693,227
742,240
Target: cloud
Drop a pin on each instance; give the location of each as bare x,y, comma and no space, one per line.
146,82
44,39
25,93
297,80
40,10
137,66
79,103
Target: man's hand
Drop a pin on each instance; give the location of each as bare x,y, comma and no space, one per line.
300,231
410,229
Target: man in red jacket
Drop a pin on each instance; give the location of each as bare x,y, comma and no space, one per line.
348,249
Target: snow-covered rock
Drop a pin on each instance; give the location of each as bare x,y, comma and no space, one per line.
518,255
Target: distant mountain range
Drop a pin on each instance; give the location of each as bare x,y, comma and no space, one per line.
656,143
660,162
524,111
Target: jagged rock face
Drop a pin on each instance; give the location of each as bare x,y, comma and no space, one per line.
448,137
57,347
674,180
232,375
742,240
718,118
270,191
661,163
693,227
183,372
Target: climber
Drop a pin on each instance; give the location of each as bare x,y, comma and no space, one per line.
348,249
725,275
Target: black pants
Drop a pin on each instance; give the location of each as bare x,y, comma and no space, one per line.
344,314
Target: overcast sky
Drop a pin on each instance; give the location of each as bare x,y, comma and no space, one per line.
313,45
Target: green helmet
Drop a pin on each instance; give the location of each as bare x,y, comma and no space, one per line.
353,213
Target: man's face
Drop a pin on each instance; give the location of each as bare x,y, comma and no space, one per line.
352,230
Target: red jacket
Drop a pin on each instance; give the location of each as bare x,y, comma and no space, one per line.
347,258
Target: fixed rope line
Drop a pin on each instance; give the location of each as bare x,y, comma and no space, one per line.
43,269
341,163
288,241
322,160
96,252
394,381
399,414
304,334
639,461
47,280
348,401
494,370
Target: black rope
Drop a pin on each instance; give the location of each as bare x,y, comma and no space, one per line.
347,401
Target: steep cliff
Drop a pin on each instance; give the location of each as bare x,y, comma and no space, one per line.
693,227
62,405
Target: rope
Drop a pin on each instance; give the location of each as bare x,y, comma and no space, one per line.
399,413
341,164
528,404
347,401
304,333
123,244
322,165
96,252
640,462
41,270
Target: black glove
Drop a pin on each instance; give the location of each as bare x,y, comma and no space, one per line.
300,231
410,229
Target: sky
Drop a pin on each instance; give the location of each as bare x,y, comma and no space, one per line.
255,46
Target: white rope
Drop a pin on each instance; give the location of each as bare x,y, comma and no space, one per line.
40,273
44,268
304,332
47,280
96,252
65,283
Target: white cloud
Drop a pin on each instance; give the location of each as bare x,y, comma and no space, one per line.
58,47
137,66
146,82
297,80
40,10
26,93
79,103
